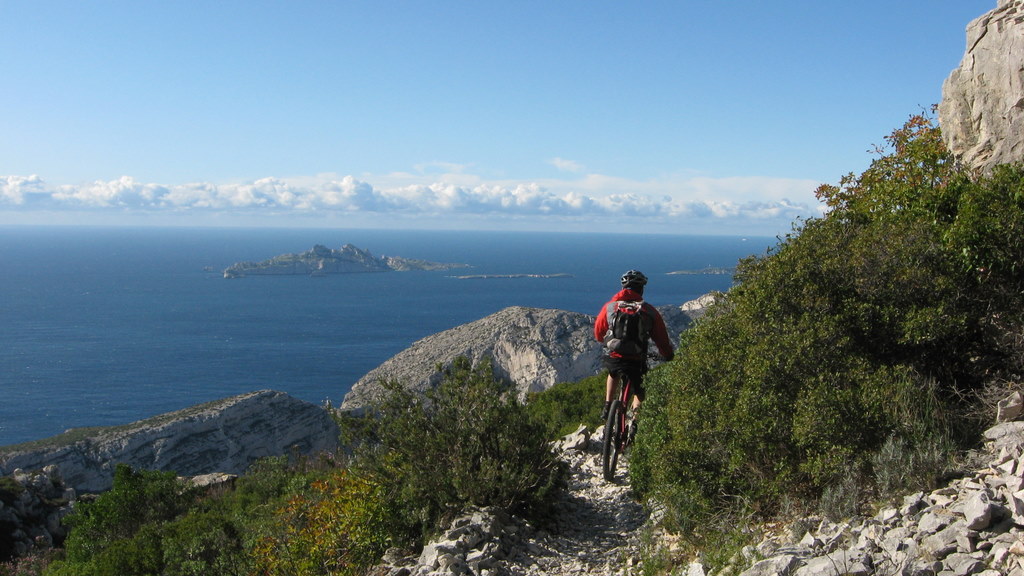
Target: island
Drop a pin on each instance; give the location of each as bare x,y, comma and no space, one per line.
321,261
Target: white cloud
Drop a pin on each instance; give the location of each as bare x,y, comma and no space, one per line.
674,203
566,165
13,189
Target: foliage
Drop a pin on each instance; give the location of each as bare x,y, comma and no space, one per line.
151,523
138,498
10,490
339,526
872,326
563,407
203,543
467,442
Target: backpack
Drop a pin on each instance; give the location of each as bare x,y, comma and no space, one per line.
629,328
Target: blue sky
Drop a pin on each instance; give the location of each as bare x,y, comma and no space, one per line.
690,117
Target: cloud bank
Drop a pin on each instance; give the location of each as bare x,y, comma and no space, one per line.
671,204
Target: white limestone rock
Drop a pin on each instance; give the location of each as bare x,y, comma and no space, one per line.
534,348
222,436
982,107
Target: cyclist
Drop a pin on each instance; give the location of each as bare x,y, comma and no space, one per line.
633,283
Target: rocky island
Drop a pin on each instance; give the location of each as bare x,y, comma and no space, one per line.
321,260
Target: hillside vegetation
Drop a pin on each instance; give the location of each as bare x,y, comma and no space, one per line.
411,469
858,356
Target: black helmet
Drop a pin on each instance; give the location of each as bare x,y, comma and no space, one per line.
634,279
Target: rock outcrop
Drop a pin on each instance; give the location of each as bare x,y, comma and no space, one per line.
533,348
222,436
31,507
982,107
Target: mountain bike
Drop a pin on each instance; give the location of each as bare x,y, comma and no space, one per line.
617,432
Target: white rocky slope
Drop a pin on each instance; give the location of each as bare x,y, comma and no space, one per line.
222,436
534,348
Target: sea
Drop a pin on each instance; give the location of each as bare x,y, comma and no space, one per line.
105,326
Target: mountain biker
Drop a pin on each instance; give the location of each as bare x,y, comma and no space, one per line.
635,366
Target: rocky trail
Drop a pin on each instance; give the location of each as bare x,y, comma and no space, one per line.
599,523
596,531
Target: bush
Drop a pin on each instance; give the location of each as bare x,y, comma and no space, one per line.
468,442
137,500
563,407
203,543
152,523
339,526
873,326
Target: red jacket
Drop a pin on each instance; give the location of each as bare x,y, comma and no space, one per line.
659,333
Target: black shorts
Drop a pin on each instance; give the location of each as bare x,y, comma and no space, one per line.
632,367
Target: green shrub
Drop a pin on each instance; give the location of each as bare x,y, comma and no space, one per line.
203,543
136,500
468,442
563,407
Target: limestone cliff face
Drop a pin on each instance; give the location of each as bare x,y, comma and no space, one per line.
222,436
531,347
982,108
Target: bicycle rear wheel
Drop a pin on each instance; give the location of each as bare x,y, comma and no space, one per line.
613,431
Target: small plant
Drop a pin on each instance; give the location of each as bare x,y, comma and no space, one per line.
10,490
34,564
900,466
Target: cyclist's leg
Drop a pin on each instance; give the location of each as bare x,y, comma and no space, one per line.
636,379
609,388
612,365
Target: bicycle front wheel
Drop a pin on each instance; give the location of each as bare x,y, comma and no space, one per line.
613,431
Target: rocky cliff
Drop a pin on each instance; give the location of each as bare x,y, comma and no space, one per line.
982,108
222,436
531,347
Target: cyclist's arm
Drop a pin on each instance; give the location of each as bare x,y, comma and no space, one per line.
601,324
659,333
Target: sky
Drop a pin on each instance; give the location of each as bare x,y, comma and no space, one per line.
683,116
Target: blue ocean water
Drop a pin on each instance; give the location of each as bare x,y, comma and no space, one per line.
102,326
